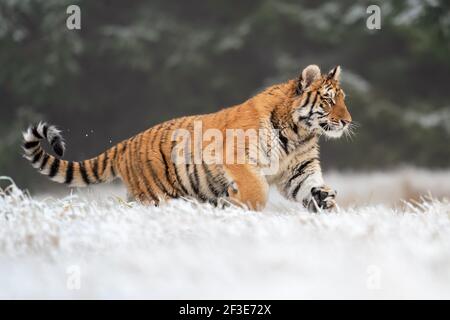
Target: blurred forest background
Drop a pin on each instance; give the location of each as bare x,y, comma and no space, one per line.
136,63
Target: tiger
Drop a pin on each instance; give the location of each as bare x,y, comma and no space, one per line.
296,113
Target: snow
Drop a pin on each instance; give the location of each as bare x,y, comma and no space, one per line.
93,244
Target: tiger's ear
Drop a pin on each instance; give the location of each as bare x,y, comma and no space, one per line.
335,73
309,75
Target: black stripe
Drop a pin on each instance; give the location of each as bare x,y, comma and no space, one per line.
180,182
191,181
163,156
298,86
174,162
211,181
35,151
105,163
83,173
69,172
272,120
157,180
127,171
320,113
45,130
57,146
44,161
159,183
54,140
196,183
284,142
281,137
313,100
37,156
297,188
300,118
30,144
36,133
313,104
175,184
54,168
150,192
124,148
175,170
299,170
147,184
306,101
94,167
113,161
166,169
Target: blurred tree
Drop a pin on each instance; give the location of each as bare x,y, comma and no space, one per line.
137,63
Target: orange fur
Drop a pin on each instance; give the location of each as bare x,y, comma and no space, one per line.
144,162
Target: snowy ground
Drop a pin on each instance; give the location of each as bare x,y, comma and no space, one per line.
94,245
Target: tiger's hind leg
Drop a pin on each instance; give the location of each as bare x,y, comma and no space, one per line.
250,188
131,172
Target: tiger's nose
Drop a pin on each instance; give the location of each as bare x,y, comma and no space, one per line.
345,122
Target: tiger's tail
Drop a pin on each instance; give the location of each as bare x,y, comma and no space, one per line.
73,173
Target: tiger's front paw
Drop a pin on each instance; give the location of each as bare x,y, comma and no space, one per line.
323,198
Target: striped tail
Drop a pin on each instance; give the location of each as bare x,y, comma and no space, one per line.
72,173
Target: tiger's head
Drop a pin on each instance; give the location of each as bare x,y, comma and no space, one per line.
319,103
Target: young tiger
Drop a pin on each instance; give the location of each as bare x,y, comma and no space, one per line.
295,113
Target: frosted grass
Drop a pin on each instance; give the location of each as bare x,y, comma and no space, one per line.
188,250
